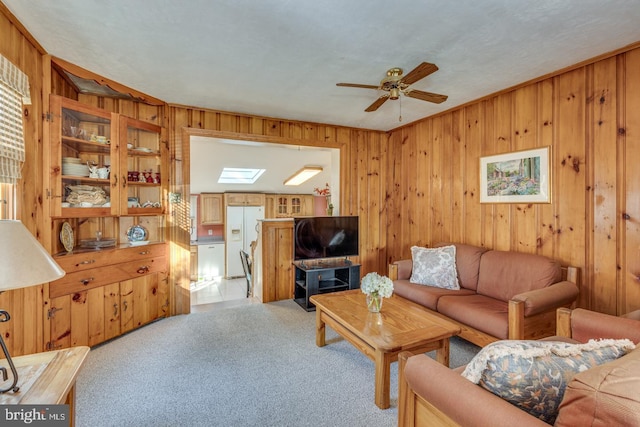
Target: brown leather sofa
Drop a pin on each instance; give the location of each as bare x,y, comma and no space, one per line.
431,394
502,295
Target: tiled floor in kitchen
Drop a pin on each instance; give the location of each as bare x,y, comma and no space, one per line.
207,295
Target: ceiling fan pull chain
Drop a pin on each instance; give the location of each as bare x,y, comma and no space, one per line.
400,116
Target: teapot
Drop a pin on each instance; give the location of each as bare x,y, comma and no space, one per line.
103,172
96,172
93,170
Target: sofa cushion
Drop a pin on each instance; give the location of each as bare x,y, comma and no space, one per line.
467,263
604,396
426,296
435,267
505,274
485,314
533,375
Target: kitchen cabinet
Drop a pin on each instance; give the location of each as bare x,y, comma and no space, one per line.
244,199
102,297
211,260
211,209
290,205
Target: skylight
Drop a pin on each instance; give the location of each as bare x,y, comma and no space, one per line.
239,175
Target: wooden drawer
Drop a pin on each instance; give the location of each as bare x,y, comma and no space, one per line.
80,281
100,258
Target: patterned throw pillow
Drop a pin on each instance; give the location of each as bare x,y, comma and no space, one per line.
435,267
533,375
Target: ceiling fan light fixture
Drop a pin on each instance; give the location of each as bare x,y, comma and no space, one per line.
303,175
394,93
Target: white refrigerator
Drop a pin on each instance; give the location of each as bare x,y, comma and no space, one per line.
241,230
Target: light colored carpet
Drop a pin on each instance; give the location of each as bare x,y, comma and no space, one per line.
250,365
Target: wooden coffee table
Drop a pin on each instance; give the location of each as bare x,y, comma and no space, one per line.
400,326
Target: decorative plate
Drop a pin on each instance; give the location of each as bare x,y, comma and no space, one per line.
137,233
66,236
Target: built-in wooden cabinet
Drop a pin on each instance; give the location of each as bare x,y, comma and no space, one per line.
289,205
107,191
211,209
101,296
244,199
104,164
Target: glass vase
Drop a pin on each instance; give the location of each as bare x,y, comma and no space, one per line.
374,302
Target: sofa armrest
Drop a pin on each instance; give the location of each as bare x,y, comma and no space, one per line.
550,298
583,325
400,270
460,400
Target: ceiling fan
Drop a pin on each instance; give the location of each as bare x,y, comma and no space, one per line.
395,83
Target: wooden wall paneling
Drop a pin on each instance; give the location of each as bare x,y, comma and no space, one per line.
371,213
424,198
381,264
409,184
569,168
602,199
24,332
488,139
524,215
501,131
392,198
363,207
179,249
439,163
459,176
628,139
443,133
473,147
546,224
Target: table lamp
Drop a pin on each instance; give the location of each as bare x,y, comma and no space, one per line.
23,262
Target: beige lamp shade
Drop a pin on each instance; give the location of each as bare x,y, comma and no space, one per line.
23,260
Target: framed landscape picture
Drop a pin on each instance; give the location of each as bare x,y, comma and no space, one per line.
517,177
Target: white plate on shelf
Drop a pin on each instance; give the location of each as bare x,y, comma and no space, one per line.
66,236
137,233
139,243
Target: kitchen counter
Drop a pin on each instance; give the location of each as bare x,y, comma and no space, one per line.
207,241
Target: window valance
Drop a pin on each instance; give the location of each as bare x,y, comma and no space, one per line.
14,91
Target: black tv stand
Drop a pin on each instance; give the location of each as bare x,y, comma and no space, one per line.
323,277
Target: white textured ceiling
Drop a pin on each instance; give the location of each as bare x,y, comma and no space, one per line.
282,58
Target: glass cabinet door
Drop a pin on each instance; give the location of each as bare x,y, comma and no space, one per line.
142,169
83,160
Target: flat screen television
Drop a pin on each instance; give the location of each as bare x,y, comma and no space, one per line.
325,237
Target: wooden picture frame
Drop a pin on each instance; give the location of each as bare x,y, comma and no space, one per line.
516,177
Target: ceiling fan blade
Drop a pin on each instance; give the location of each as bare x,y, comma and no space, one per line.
377,103
420,72
426,96
357,85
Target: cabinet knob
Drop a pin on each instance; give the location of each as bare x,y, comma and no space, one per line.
144,269
85,282
144,253
89,261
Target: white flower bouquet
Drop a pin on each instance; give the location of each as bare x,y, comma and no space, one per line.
376,285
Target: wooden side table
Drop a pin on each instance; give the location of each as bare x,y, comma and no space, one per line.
47,378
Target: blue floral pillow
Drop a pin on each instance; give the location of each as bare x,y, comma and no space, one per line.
435,267
533,375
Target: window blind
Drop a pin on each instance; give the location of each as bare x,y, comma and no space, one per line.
14,91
